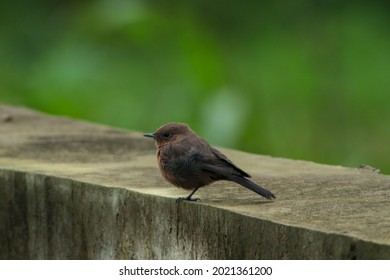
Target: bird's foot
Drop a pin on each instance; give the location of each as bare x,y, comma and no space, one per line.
188,198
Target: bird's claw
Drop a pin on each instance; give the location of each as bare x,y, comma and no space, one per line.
180,199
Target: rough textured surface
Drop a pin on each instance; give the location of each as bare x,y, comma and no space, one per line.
75,190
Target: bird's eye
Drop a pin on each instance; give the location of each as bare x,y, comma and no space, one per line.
167,135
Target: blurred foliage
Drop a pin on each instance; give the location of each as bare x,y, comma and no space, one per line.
297,79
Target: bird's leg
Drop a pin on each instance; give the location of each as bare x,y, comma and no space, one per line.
189,198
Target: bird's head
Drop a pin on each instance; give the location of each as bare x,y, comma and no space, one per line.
170,133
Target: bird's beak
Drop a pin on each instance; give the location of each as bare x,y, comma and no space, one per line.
151,135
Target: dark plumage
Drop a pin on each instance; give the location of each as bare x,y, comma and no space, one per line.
188,161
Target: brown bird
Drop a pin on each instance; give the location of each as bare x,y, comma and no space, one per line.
189,162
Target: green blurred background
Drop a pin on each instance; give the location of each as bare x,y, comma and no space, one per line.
297,79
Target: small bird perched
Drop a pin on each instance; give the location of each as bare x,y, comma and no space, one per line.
189,162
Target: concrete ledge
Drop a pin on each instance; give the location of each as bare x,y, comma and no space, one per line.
75,190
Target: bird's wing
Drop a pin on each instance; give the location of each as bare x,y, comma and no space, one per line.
222,157
209,158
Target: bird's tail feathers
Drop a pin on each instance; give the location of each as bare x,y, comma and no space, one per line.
252,186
